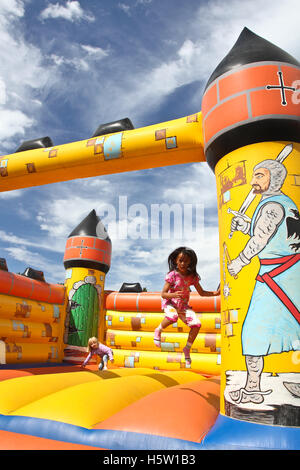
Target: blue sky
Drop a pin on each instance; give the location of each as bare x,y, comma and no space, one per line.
68,66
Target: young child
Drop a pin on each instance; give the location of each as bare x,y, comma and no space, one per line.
176,293
95,347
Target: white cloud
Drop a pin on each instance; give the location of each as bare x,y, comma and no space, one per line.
198,186
12,239
13,122
71,12
10,8
10,194
273,20
211,32
76,63
2,92
125,8
53,272
94,52
129,8
83,57
22,74
57,216
21,254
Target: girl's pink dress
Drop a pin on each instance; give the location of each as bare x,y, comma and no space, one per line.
179,283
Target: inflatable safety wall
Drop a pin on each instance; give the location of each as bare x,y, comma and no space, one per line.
32,316
131,319
251,128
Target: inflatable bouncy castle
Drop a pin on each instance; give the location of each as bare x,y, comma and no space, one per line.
242,389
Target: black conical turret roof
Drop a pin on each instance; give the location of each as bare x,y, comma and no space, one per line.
90,226
81,253
250,48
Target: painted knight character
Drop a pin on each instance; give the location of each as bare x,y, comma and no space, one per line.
272,322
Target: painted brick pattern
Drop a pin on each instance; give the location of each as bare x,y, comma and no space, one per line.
250,93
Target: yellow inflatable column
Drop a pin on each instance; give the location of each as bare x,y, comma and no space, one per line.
252,134
87,260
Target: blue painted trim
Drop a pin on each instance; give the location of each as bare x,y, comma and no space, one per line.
112,146
106,439
226,434
232,434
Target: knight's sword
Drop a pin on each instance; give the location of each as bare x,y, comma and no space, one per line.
251,196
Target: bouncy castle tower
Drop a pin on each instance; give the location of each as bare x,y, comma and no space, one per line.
251,137
87,260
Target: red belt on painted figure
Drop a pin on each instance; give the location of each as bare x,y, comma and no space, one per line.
285,263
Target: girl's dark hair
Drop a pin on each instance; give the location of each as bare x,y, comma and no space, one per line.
188,252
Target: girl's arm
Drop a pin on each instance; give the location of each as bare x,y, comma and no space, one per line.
205,293
110,354
106,350
169,295
86,360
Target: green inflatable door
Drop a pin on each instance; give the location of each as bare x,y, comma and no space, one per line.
83,315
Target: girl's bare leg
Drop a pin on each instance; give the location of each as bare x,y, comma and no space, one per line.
193,334
166,322
158,330
191,338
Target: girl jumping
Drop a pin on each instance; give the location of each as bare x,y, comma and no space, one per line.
176,293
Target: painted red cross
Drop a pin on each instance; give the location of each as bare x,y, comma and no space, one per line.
282,88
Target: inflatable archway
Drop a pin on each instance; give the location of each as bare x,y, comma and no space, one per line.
249,134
